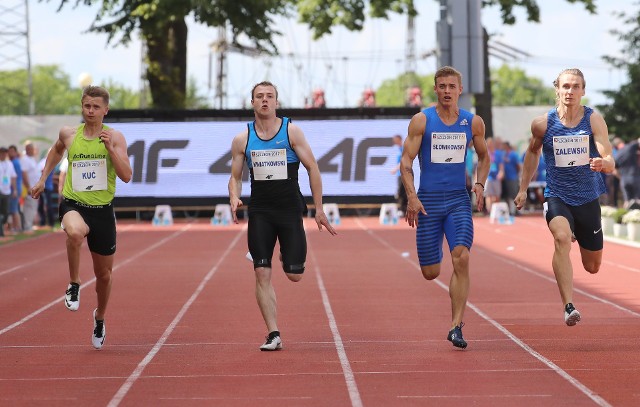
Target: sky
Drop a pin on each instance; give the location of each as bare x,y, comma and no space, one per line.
344,63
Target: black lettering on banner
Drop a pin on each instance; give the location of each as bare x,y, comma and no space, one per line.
337,159
223,166
362,154
344,148
137,150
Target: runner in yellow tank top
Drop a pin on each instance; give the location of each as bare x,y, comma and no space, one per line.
96,154
91,178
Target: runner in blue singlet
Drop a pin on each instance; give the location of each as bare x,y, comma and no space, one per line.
442,207
574,142
273,149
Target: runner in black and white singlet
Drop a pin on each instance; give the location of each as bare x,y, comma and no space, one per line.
273,149
574,142
441,206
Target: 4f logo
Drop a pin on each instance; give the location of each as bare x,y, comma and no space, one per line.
153,160
449,159
571,163
345,158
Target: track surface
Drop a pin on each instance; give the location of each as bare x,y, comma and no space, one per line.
362,328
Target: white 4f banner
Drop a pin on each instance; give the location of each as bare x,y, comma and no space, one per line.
192,159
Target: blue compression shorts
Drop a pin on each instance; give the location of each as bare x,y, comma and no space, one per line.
448,215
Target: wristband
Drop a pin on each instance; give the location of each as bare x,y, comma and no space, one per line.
478,183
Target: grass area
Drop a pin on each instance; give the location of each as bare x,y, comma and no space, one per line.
25,236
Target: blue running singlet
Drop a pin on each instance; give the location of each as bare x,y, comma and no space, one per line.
443,188
273,166
566,154
443,152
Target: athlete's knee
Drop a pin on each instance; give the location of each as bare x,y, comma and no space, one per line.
460,257
591,266
294,272
294,277
103,276
261,263
75,236
563,239
430,272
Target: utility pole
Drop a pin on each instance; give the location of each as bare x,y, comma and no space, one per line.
460,44
220,48
410,50
14,41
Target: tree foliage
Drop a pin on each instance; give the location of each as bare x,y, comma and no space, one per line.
512,87
622,114
531,7
53,92
393,92
162,26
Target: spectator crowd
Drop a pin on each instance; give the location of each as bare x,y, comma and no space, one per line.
19,171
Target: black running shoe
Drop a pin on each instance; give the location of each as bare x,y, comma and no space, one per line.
571,315
455,337
273,342
72,297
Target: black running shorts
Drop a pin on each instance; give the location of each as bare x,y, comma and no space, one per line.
265,227
585,221
101,221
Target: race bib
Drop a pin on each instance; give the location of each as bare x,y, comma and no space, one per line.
571,151
89,175
448,148
269,165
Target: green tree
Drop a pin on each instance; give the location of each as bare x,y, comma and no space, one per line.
622,114
393,92
52,92
120,97
194,99
162,27
512,87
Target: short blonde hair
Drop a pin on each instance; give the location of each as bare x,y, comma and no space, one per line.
264,83
96,92
447,71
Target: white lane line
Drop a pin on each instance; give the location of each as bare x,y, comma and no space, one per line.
557,369
539,243
553,280
31,263
126,386
60,299
575,382
350,380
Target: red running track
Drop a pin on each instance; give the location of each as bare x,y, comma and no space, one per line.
363,328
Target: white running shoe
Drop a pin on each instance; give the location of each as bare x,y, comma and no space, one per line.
72,297
99,332
273,342
571,315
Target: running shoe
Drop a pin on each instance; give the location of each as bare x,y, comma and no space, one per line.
273,342
455,337
571,315
72,297
99,332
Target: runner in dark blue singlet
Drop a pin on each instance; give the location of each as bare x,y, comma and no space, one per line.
574,142
441,207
